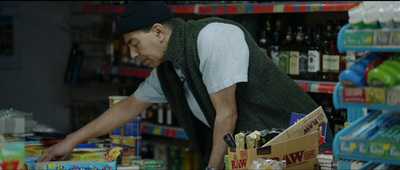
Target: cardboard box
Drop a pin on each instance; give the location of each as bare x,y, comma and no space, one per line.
310,123
75,165
299,153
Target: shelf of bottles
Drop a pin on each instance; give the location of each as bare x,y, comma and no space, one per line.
238,8
308,86
166,131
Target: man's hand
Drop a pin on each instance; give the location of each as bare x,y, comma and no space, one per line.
61,151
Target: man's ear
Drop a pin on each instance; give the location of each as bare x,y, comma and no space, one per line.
159,31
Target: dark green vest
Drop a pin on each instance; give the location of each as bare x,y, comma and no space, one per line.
265,101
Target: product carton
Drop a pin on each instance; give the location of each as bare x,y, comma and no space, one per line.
87,164
299,153
298,145
310,123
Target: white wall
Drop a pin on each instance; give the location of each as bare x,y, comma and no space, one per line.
37,86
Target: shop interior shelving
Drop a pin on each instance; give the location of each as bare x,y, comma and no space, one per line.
166,131
354,149
218,8
215,8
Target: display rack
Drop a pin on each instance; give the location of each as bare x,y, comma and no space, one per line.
368,36
355,149
240,8
365,150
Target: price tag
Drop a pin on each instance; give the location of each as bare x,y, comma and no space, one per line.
232,9
269,9
315,7
303,7
290,8
241,9
341,6
144,129
305,86
328,6
157,131
220,10
279,8
208,10
314,87
258,8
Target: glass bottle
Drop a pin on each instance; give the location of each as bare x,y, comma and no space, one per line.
303,53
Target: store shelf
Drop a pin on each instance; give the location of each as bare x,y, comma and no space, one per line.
365,150
357,99
367,97
308,86
166,131
124,71
365,40
240,8
316,86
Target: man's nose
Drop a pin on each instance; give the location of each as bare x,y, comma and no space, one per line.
134,54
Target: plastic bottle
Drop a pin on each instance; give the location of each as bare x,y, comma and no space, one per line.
371,66
386,15
396,17
356,17
370,17
385,75
355,75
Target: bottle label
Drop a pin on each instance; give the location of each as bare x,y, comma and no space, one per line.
313,61
334,64
325,63
350,58
303,59
283,61
275,54
294,63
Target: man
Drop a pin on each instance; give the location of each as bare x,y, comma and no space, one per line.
211,72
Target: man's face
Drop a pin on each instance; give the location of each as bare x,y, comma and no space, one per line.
147,47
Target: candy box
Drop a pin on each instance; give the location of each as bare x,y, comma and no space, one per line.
70,165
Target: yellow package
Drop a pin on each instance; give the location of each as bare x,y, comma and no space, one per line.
112,155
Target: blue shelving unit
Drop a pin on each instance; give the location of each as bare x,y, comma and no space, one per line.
352,149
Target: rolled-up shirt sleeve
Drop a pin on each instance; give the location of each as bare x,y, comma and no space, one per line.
224,56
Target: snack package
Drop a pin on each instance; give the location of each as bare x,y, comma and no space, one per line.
112,155
12,156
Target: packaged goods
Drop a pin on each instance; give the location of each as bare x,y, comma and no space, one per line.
89,164
148,163
263,163
299,153
12,156
310,123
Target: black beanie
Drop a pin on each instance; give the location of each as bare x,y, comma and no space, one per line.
141,14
